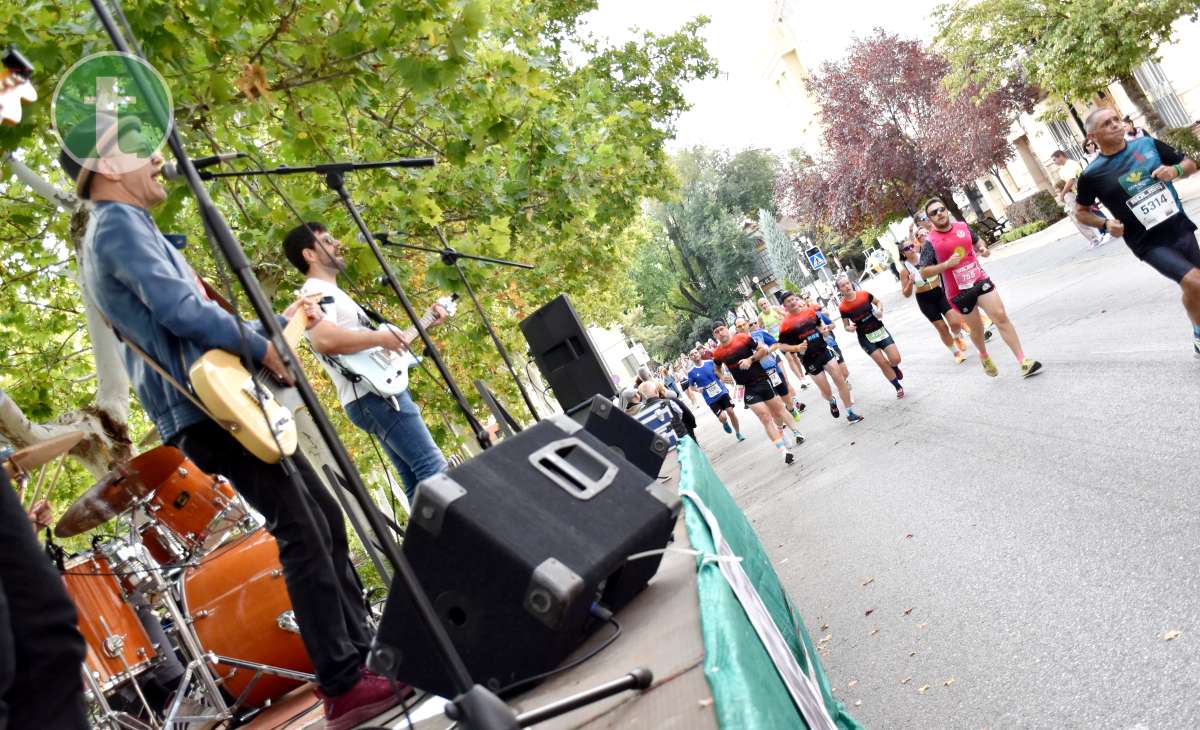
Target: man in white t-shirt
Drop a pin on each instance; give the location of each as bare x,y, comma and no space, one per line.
1069,171
347,329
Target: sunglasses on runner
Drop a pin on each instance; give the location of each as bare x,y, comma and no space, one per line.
937,211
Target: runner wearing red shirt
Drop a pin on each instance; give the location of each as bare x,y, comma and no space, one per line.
861,313
950,251
740,355
800,332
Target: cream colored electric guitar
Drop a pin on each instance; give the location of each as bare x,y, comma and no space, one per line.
256,409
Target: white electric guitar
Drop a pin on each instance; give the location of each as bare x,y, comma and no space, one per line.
382,371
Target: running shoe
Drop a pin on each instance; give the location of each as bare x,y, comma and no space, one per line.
1030,367
799,439
987,334
960,357
788,457
833,409
899,393
740,437
727,427
853,418
804,386
989,367
1197,346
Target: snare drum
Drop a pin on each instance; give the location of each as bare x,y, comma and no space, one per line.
239,608
198,509
118,648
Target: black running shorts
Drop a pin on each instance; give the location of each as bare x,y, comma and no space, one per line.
759,392
1174,259
816,357
933,303
966,299
721,404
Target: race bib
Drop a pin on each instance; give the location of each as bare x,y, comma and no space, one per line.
967,274
712,390
1153,205
774,379
878,335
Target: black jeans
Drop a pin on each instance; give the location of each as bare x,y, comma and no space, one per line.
41,649
311,531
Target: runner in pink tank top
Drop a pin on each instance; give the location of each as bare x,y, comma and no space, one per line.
950,252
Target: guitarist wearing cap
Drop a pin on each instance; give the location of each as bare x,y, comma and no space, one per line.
142,284
391,417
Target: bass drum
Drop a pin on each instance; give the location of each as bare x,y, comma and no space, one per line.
239,608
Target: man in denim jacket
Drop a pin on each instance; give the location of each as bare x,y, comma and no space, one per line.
154,299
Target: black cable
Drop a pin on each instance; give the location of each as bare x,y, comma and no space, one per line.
566,667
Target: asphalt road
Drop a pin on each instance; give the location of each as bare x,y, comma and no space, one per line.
1020,547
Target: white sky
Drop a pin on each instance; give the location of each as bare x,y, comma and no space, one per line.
739,109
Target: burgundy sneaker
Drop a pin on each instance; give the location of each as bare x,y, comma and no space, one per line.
370,696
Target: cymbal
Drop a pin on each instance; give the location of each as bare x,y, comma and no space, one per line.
43,452
118,490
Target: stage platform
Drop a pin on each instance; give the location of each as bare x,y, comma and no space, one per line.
660,630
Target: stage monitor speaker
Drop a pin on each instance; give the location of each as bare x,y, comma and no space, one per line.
514,547
623,433
565,355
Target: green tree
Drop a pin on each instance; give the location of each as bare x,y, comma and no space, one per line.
545,155
699,249
1071,48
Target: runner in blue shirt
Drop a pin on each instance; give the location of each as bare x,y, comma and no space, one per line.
830,338
1134,178
703,377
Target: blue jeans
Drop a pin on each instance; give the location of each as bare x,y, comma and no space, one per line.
403,434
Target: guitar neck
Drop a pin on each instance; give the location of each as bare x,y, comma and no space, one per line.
411,333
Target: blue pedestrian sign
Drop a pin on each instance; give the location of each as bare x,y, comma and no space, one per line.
816,259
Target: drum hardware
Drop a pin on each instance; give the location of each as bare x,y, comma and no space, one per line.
287,622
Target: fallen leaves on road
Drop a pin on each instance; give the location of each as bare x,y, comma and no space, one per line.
868,581
1172,635
907,611
824,626
858,703
912,653
921,626
906,680
851,683
949,682
874,631
923,689
868,612
908,536
706,702
827,637
781,562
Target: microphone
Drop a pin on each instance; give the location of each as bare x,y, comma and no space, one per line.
171,170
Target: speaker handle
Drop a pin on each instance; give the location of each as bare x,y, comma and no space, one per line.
550,462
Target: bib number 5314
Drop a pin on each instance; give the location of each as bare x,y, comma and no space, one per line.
1153,205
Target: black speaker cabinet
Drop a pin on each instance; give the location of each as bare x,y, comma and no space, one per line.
565,355
514,547
623,433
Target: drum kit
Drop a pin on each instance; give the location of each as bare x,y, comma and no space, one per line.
191,563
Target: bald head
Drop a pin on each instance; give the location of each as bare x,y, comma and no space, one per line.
648,389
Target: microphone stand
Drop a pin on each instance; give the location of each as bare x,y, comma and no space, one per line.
335,179
478,708
450,257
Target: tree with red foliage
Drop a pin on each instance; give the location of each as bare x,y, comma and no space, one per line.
894,135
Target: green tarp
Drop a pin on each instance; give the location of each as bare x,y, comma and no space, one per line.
747,690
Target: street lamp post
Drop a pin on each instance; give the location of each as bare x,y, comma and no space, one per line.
758,286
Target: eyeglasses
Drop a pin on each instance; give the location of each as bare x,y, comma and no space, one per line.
937,211
906,249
